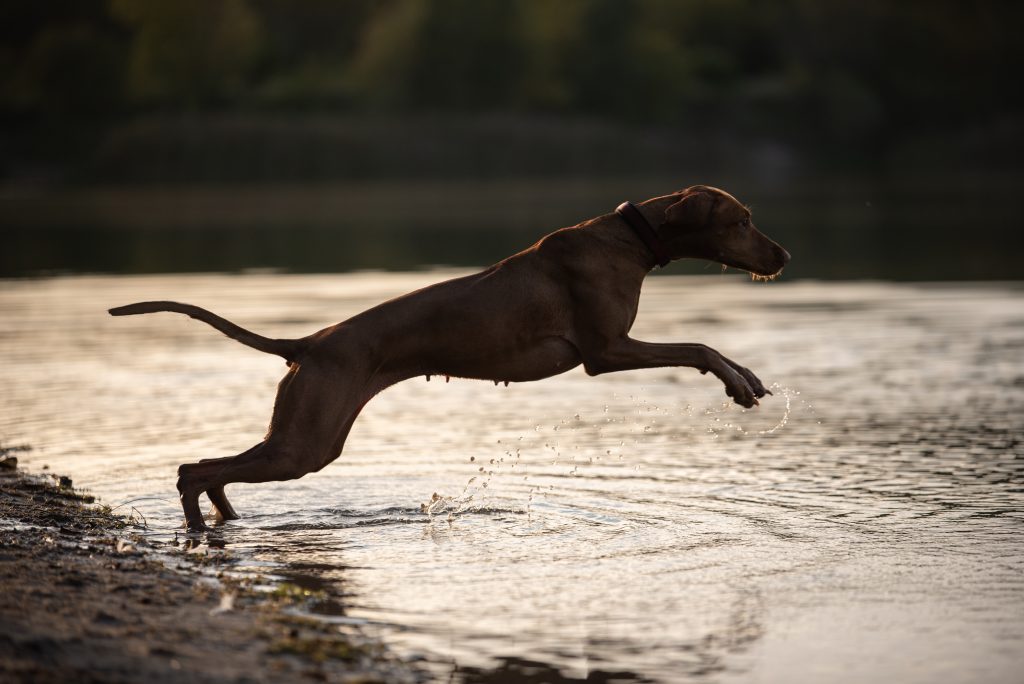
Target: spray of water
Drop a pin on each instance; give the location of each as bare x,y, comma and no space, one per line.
556,452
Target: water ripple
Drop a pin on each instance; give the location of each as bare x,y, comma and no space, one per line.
632,526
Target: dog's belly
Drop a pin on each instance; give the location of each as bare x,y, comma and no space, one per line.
543,359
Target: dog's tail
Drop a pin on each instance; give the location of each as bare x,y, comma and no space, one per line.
289,349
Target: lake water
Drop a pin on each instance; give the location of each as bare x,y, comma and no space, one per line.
866,522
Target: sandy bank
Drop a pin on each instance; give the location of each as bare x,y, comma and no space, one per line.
85,598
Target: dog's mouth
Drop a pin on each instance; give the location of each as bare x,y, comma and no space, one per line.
781,258
756,272
756,275
765,277
765,269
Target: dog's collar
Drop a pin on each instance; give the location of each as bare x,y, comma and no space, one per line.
645,231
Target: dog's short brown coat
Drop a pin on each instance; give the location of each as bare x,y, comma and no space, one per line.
568,300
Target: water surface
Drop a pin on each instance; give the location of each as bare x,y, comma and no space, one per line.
863,523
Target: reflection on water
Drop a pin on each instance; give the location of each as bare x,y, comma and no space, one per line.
863,522
897,229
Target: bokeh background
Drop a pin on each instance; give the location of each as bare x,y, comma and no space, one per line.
873,139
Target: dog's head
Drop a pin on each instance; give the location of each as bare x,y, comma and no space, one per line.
708,223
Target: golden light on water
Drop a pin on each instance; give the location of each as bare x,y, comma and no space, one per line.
635,518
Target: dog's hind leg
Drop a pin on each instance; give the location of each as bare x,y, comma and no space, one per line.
208,476
275,460
269,461
221,509
312,419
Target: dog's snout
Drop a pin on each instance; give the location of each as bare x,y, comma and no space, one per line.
784,255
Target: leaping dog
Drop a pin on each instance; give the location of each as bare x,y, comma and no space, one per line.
568,300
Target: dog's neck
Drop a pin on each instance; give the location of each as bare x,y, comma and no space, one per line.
622,240
628,254
645,231
653,210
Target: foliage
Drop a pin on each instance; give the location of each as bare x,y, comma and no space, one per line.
853,74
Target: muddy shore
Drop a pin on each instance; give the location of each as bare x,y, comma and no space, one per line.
87,598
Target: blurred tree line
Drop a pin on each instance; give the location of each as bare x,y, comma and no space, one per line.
845,79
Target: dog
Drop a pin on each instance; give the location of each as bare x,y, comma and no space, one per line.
568,300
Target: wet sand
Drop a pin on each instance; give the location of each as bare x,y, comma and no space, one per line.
84,599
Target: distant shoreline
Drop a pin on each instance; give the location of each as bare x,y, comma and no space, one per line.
919,228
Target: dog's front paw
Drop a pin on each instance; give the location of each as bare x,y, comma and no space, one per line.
742,394
745,387
737,387
755,383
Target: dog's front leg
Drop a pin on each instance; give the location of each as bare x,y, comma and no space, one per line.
628,354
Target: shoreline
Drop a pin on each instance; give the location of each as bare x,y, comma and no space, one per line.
86,598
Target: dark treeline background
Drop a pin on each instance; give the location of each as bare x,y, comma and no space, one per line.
850,104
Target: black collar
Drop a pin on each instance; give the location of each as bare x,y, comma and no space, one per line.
643,229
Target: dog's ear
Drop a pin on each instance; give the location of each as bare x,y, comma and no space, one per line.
694,209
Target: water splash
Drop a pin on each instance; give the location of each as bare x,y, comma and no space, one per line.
788,394
718,425
569,447
473,492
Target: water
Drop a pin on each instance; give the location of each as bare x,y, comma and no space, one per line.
902,228
865,522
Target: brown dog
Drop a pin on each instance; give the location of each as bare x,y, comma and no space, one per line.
568,300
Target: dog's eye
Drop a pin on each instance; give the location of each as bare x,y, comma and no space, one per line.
745,223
